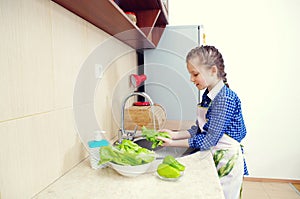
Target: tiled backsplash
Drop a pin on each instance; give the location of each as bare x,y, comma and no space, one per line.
42,51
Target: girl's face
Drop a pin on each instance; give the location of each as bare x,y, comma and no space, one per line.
196,77
201,76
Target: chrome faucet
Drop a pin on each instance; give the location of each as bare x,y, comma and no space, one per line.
130,135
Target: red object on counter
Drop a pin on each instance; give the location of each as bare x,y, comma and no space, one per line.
141,103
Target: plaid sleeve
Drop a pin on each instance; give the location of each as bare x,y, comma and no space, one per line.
194,129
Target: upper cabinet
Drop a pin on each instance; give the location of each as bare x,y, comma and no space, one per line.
110,16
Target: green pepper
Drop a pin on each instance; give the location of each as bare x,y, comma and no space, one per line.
167,171
170,160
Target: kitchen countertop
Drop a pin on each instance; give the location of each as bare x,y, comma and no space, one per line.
200,180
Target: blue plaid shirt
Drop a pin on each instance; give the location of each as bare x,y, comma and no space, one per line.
224,115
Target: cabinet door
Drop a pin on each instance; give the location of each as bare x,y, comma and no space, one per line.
168,81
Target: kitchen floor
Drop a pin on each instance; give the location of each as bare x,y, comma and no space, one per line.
269,190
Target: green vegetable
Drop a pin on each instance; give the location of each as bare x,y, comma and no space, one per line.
170,160
128,146
126,153
170,167
167,171
106,154
151,135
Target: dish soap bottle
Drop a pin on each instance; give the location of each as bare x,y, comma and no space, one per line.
94,147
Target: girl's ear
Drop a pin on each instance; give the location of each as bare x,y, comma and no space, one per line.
214,70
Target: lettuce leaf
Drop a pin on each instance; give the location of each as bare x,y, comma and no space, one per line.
151,135
126,153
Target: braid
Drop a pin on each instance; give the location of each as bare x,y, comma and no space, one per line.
209,56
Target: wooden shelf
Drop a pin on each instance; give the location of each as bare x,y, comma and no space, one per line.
110,16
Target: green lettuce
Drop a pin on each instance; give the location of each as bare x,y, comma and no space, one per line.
126,153
151,135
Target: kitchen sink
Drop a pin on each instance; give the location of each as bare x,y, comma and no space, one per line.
164,151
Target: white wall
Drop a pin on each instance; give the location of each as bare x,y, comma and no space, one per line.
259,41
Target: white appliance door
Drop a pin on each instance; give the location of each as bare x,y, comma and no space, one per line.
168,81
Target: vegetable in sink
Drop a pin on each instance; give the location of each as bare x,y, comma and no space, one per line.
151,135
126,153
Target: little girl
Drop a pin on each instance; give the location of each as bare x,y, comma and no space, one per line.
220,126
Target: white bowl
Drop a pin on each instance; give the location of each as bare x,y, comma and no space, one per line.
131,171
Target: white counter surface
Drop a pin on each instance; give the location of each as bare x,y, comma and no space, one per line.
200,180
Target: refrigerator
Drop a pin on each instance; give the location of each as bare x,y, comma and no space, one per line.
168,81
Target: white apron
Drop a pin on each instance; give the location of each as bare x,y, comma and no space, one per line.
228,158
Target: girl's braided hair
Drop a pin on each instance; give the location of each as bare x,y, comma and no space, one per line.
209,56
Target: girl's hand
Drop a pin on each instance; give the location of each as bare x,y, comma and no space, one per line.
167,141
177,135
171,133
177,143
